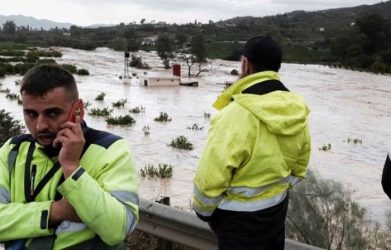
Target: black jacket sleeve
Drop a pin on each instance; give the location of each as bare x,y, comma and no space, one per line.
386,178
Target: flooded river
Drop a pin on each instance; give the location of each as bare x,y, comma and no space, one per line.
344,104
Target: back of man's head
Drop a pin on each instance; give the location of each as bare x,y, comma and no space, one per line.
264,53
41,79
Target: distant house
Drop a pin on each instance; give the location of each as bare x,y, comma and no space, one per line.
157,80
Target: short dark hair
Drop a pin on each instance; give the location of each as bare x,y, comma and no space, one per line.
40,79
264,53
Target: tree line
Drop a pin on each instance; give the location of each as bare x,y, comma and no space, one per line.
365,44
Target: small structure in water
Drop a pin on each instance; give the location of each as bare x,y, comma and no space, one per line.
159,80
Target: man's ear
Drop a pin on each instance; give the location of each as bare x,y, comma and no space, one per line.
247,68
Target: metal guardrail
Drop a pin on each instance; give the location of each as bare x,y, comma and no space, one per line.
179,226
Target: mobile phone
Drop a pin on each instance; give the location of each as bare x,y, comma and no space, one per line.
77,109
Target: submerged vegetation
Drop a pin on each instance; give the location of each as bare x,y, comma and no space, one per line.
163,117
181,142
161,171
137,110
100,97
121,120
325,147
100,112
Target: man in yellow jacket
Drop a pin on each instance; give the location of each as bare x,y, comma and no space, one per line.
64,185
258,147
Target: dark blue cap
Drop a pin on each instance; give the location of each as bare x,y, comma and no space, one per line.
264,52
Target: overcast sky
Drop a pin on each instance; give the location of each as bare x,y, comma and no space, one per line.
87,12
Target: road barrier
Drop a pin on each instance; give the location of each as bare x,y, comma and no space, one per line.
185,228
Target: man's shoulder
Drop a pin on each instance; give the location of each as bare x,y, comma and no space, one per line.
99,137
21,138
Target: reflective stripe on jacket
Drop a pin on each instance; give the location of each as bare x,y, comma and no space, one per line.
258,146
103,191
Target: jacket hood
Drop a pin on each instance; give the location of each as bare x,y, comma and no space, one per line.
283,112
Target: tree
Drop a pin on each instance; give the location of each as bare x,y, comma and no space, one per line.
164,49
8,127
374,27
322,214
197,55
198,48
9,27
180,39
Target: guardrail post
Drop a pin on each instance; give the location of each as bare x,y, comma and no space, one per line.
162,243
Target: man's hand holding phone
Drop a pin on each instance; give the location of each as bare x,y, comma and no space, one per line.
71,139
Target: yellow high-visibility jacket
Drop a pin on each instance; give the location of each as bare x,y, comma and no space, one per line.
258,146
103,192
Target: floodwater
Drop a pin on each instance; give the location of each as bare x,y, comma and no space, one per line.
344,104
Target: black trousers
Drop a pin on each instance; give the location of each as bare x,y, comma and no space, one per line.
259,230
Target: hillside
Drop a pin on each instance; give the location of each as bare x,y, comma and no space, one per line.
321,37
33,23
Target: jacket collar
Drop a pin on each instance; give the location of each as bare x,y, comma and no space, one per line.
225,98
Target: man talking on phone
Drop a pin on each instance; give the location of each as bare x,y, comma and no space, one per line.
64,185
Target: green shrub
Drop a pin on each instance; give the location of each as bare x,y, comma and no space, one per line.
195,127
12,96
100,112
9,69
6,91
22,68
137,110
2,71
32,57
8,127
162,171
146,130
100,97
163,117
120,103
136,62
83,72
71,68
354,140
325,147
121,120
46,61
181,142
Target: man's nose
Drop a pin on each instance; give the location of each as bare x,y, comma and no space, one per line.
41,123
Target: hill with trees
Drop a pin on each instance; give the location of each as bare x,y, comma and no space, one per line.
357,37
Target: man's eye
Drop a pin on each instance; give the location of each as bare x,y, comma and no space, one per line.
31,114
53,114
